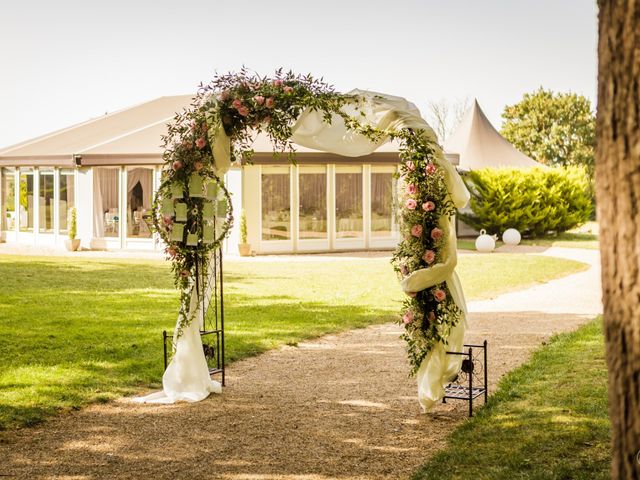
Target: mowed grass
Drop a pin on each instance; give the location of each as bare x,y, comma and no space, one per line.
75,331
547,421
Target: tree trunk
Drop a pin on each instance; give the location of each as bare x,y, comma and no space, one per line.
618,194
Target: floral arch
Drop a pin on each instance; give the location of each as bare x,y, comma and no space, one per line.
217,130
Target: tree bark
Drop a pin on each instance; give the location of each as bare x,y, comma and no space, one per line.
618,195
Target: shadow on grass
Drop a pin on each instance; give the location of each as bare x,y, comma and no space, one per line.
548,420
92,331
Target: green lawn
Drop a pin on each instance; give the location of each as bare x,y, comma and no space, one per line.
547,421
76,331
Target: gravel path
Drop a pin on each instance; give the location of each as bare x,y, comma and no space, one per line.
340,407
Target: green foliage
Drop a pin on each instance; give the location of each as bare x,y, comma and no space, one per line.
428,315
548,420
98,334
534,201
556,129
243,227
73,224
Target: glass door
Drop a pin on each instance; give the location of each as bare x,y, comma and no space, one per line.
275,196
9,214
349,218
313,232
384,222
45,201
26,207
106,204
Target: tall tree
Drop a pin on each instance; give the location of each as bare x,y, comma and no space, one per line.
552,128
445,116
618,193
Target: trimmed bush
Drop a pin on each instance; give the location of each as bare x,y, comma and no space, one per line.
535,201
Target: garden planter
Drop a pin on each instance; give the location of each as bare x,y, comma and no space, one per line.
72,245
244,249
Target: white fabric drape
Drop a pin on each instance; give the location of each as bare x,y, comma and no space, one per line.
145,177
187,378
105,196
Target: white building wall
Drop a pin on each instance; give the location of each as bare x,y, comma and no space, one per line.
84,205
233,181
251,203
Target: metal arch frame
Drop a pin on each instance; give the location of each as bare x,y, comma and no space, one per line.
211,318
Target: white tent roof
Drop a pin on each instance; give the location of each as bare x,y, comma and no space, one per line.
128,136
479,145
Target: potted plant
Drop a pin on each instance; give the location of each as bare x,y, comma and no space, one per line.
243,247
72,243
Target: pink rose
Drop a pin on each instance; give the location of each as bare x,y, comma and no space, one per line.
410,166
431,169
428,206
403,269
177,165
259,99
185,273
431,316
244,111
407,318
411,204
411,189
416,231
439,295
200,142
288,89
429,256
167,219
237,103
172,251
436,233
198,166
277,82
269,102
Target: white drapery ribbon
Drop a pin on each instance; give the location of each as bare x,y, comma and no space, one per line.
187,377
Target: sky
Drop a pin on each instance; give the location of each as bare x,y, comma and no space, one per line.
66,61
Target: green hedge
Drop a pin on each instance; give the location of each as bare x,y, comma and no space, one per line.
534,201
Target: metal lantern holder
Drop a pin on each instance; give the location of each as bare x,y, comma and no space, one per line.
209,289
471,382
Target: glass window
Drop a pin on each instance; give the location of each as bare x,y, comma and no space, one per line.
349,222
67,199
26,206
383,193
313,202
139,201
105,202
8,199
45,210
276,203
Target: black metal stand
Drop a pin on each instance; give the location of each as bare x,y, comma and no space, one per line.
474,367
209,290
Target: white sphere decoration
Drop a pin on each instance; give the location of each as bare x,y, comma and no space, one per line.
485,243
511,236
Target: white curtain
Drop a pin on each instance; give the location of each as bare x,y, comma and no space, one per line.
105,196
187,378
145,177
